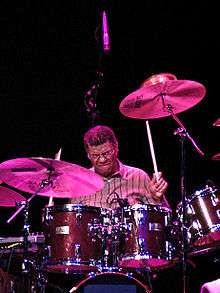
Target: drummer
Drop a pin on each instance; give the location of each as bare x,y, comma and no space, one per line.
123,185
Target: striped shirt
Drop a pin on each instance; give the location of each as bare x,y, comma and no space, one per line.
128,183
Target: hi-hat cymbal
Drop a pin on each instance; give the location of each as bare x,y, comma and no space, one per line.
216,157
65,180
161,98
8,197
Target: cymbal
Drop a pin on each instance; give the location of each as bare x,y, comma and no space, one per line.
216,157
158,78
162,97
217,122
8,197
66,180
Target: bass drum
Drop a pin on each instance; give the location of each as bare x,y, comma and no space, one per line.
106,282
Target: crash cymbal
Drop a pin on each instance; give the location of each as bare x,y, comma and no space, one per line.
217,122
160,96
216,157
8,197
158,78
66,180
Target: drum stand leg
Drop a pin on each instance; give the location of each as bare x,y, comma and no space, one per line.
105,256
110,251
184,214
115,251
28,266
32,274
184,220
26,262
40,280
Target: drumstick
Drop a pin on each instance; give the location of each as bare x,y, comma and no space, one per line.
152,149
57,157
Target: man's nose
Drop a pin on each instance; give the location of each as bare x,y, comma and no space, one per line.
102,158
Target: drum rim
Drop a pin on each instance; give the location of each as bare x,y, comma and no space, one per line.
93,275
202,193
148,206
146,256
73,262
69,207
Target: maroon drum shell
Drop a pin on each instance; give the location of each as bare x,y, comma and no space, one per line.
66,227
148,242
204,216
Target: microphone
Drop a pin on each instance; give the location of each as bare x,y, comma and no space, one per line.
105,34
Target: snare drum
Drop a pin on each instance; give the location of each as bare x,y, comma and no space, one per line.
147,240
71,245
203,216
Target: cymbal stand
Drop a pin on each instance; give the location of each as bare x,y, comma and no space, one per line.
44,183
26,264
183,134
26,226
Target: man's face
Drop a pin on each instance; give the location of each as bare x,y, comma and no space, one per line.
104,158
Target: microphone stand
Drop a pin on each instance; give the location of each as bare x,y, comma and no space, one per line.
90,99
91,94
183,134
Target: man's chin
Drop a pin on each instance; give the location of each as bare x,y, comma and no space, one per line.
103,171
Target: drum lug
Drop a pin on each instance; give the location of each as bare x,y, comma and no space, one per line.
48,250
141,218
92,262
106,258
169,248
155,227
141,244
214,200
78,217
77,252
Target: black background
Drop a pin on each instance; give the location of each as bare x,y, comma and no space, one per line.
50,52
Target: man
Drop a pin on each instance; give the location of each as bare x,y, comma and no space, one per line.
211,287
122,184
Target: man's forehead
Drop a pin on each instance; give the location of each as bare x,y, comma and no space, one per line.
100,148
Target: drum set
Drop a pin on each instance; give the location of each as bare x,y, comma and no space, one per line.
97,247
97,243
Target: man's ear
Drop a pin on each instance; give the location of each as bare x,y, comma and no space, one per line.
117,150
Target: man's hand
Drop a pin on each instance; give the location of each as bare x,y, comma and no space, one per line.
157,186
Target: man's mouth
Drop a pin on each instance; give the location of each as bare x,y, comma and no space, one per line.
104,165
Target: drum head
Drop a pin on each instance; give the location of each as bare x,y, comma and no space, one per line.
110,282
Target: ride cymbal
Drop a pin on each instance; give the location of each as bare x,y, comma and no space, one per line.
8,197
160,96
60,179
